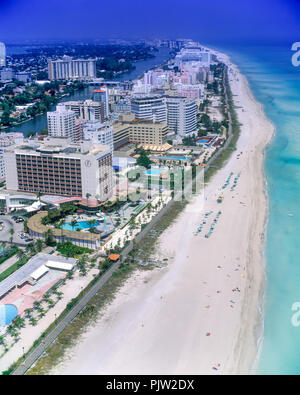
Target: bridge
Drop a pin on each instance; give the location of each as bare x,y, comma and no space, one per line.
104,82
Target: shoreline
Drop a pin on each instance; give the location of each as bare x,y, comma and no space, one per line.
259,324
236,356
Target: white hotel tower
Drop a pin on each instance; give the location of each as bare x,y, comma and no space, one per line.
62,123
182,115
2,55
152,108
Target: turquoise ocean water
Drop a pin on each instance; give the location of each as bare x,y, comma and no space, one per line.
275,83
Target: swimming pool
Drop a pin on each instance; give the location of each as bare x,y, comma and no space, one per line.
8,312
171,157
80,225
154,172
203,141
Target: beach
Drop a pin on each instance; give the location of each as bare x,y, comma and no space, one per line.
202,313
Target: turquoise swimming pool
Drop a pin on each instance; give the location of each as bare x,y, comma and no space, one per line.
171,157
80,225
8,312
154,172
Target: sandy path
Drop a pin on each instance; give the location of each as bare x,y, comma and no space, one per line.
198,315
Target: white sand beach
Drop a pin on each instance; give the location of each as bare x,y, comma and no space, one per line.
200,314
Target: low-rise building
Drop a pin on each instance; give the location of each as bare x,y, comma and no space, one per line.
139,131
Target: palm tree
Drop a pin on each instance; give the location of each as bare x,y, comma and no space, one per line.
87,195
61,224
19,322
60,294
20,254
28,313
30,249
33,321
92,222
15,334
36,304
74,223
11,231
39,245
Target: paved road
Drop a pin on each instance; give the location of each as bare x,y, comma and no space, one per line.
9,262
227,142
53,334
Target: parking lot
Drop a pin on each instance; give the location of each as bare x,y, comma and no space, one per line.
8,224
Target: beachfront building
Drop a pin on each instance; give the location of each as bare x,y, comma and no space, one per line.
182,115
152,108
59,167
99,133
69,68
2,55
148,132
128,129
190,91
62,123
193,54
88,110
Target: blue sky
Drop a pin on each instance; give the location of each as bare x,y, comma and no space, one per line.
209,20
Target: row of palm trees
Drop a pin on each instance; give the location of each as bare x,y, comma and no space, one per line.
14,328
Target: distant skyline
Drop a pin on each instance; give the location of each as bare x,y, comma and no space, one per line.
208,21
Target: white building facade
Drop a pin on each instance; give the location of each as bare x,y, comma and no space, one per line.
69,68
62,123
182,115
99,133
152,108
2,55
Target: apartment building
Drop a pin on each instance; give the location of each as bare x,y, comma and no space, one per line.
88,110
69,68
62,123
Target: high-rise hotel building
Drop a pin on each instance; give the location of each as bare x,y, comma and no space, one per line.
2,55
62,123
59,167
182,115
88,110
69,68
152,108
